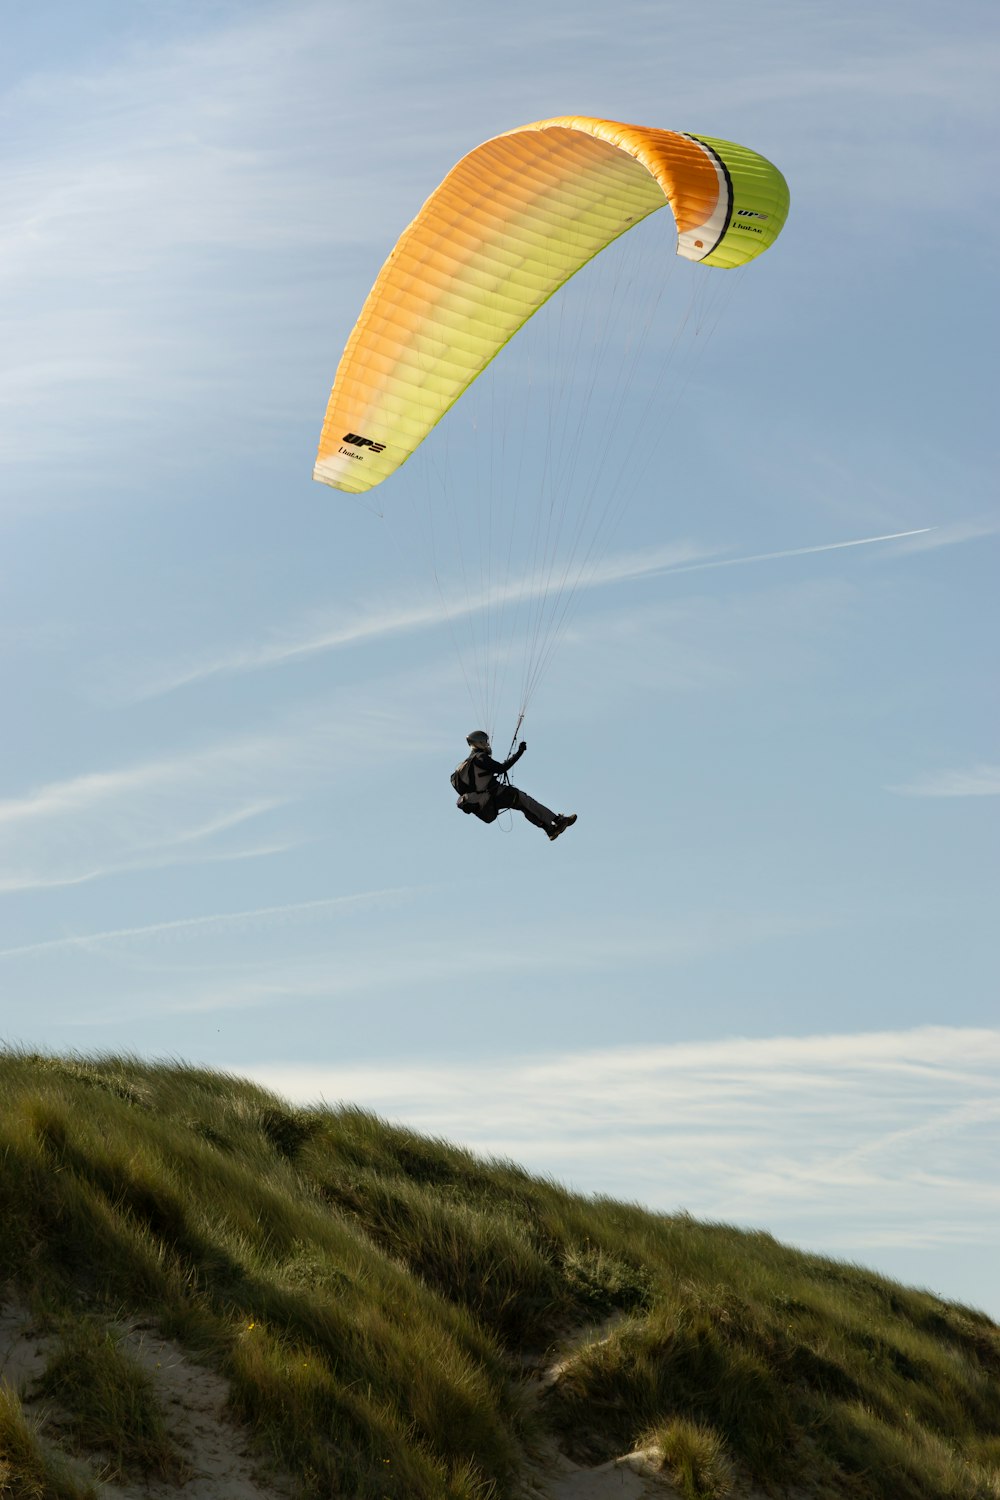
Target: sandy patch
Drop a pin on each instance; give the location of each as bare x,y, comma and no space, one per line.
551,1475
193,1400
23,1349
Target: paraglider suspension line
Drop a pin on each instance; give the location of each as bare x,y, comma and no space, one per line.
513,742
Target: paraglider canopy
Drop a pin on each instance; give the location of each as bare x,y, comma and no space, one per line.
513,221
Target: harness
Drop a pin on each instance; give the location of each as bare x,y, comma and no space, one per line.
476,798
473,797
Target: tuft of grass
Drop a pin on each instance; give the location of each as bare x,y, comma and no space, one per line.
604,1283
109,1403
27,1470
288,1129
695,1458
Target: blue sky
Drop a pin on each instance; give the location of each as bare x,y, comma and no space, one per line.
759,979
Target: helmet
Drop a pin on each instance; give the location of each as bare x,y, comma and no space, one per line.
479,739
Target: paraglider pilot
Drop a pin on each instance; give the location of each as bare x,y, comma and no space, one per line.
481,793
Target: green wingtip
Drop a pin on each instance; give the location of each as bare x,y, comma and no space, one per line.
760,204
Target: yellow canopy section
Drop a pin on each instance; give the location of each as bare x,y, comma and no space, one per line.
506,228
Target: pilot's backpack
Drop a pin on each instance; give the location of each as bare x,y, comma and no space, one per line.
463,780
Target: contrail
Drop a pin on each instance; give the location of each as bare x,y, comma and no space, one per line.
735,562
219,919
428,615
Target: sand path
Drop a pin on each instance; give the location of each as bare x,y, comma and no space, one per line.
217,1450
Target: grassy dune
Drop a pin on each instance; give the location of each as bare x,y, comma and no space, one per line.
373,1298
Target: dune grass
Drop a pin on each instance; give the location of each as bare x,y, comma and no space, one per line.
109,1403
28,1469
695,1458
369,1294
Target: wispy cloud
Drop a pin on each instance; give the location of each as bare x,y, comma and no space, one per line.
452,606
149,193
355,956
435,952
188,807
148,814
891,1133
95,792
976,781
81,871
367,625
